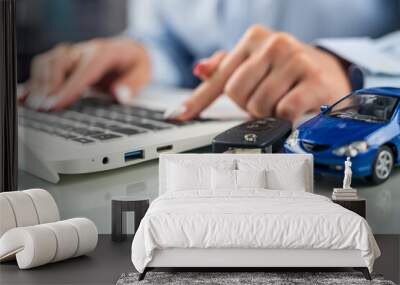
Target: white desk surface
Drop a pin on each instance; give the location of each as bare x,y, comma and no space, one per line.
89,195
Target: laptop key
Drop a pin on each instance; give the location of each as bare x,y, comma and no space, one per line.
158,115
100,125
105,137
126,131
65,135
83,140
144,113
152,127
94,133
68,136
87,132
179,123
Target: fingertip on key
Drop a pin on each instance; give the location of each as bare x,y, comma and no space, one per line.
175,112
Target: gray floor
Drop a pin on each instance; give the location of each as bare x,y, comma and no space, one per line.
103,266
110,260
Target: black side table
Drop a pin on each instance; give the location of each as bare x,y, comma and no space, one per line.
358,206
118,223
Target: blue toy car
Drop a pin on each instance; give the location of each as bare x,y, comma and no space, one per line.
364,125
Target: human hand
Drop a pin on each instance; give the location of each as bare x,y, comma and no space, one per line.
269,74
59,76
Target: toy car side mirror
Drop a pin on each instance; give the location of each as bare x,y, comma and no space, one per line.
324,108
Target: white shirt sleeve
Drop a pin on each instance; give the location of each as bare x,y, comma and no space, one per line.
147,25
377,60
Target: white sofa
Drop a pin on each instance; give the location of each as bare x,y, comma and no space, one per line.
31,231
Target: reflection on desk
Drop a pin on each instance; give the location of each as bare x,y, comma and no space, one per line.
383,211
89,195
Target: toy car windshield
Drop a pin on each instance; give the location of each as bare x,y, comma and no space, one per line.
364,107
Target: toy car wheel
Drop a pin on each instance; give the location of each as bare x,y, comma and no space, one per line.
382,166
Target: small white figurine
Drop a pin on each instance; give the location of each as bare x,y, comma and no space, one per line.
347,174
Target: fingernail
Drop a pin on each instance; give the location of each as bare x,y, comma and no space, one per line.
197,70
123,94
50,102
35,101
200,69
175,112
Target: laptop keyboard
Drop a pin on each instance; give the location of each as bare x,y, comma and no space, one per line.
91,120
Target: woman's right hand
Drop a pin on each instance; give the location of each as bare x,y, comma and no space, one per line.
59,76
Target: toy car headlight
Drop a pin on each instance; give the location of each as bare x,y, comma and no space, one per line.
293,138
352,149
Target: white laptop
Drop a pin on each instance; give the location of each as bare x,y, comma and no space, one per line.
96,134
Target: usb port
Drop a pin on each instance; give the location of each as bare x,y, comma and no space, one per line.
164,148
133,155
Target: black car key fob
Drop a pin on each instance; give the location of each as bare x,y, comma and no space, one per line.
262,135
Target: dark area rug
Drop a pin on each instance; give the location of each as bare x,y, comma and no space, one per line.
243,278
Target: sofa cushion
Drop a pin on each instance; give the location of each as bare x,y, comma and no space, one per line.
37,245
23,208
7,217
